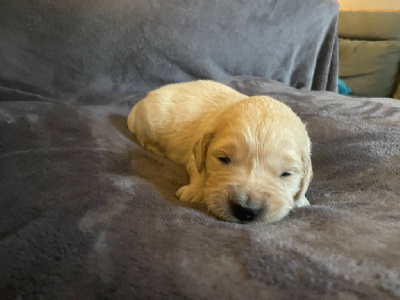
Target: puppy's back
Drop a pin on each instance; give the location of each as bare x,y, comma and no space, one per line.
190,100
175,116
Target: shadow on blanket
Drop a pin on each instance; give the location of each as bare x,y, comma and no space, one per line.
160,171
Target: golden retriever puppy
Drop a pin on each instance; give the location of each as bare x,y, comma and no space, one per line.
248,158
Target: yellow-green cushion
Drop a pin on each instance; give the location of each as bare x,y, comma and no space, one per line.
369,67
369,25
397,92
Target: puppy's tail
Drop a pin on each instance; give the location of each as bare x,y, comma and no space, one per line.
131,119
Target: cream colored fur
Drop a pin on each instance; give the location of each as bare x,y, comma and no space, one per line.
202,124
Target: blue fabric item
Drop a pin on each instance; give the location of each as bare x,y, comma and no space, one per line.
343,88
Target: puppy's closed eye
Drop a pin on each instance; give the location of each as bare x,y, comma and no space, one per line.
224,159
285,174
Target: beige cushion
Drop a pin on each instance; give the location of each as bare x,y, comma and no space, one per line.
397,92
369,25
370,68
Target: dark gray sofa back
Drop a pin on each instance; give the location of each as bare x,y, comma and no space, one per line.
70,48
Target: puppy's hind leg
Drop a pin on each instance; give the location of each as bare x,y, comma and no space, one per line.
193,192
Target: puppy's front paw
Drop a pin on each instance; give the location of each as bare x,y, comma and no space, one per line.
302,202
189,193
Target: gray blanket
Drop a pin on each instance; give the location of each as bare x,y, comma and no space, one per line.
89,51
86,213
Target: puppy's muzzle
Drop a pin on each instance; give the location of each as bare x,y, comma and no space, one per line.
244,213
245,206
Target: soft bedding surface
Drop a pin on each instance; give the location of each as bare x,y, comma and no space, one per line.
86,213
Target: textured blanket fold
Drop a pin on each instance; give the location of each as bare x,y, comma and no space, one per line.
87,213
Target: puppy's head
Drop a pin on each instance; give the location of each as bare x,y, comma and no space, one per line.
256,161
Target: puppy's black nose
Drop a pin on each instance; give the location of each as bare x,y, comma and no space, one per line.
245,214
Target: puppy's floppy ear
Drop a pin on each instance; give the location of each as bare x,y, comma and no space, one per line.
200,150
307,175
